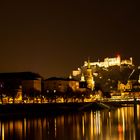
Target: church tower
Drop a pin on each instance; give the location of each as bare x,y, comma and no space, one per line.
82,78
89,77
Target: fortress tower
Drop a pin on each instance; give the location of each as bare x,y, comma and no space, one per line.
89,77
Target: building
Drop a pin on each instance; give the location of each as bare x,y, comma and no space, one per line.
132,87
60,84
116,61
127,61
86,77
125,87
89,77
17,83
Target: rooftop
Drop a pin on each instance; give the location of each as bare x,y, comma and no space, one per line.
20,75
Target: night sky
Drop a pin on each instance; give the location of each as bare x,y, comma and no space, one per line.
54,37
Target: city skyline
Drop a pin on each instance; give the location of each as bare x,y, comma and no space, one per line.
53,38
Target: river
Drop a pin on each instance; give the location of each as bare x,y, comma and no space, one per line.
117,124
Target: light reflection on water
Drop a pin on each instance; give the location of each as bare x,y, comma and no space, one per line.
118,124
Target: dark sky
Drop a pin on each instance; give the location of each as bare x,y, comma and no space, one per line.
56,36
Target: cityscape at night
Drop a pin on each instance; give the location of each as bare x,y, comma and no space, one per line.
69,70
107,85
93,81
54,37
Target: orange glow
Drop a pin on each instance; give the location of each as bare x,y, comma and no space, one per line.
118,56
120,129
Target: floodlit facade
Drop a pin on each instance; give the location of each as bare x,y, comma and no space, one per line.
116,61
76,72
127,61
89,77
32,84
60,84
125,87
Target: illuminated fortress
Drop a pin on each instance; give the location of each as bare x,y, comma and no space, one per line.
116,61
111,62
86,71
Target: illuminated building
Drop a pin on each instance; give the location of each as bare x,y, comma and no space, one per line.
116,61
20,83
127,62
86,79
19,94
125,87
31,84
76,72
60,84
132,87
89,77
82,78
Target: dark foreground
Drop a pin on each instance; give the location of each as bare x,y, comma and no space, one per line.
49,108
52,108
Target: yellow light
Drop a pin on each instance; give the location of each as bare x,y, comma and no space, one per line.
2,131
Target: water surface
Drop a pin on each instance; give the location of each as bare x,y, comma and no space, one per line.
118,124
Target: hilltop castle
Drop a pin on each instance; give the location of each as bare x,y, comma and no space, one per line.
116,61
88,75
111,62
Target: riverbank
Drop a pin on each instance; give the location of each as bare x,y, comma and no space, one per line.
45,108
52,108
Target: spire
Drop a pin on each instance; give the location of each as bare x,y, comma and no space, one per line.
82,78
88,65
